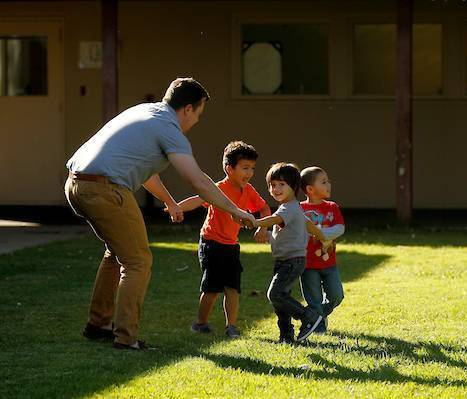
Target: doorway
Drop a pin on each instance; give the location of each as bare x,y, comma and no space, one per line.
32,135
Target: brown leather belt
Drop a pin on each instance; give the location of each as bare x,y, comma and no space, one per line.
86,177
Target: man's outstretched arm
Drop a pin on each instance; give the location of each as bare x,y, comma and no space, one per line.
188,169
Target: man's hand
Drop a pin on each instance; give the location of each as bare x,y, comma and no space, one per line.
250,221
237,220
245,219
175,212
248,224
261,235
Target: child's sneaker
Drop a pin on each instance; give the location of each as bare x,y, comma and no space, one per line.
286,339
322,327
201,328
232,332
287,336
307,328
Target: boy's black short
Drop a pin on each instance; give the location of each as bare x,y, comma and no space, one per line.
220,264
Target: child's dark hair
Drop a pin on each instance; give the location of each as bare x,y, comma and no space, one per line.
237,150
308,176
288,172
184,91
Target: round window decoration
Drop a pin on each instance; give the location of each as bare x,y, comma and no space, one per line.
262,68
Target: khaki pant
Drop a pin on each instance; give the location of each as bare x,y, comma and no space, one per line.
125,269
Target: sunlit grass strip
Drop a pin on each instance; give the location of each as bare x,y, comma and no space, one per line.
400,332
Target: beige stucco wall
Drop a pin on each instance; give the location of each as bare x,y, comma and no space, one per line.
353,139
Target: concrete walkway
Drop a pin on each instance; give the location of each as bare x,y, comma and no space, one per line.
16,235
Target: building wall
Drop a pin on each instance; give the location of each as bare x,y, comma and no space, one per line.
352,138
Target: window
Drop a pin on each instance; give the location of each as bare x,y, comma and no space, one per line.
427,59
285,59
374,65
23,66
374,68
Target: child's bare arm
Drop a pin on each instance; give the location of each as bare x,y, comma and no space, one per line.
188,204
265,211
261,233
314,230
269,221
326,245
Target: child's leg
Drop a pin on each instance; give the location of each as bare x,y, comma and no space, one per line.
310,284
286,273
286,329
211,280
231,304
206,303
332,286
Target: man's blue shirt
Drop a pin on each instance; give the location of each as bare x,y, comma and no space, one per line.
133,146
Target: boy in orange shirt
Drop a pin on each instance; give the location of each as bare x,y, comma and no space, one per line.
219,251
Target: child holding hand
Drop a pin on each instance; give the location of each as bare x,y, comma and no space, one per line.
219,251
288,240
321,274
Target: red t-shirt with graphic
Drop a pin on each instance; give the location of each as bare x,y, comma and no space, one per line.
325,214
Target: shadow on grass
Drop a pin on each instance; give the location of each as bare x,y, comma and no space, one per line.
44,294
330,370
381,347
355,265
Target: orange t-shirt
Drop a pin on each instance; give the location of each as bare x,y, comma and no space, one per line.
219,225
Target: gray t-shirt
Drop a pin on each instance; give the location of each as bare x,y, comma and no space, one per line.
133,146
290,240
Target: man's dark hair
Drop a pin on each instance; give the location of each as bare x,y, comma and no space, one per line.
288,172
184,91
237,150
308,176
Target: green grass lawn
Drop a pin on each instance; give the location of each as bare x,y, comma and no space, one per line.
399,333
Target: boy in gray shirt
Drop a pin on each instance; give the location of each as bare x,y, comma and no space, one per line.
288,240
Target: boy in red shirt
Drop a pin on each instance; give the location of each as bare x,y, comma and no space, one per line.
321,274
219,251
